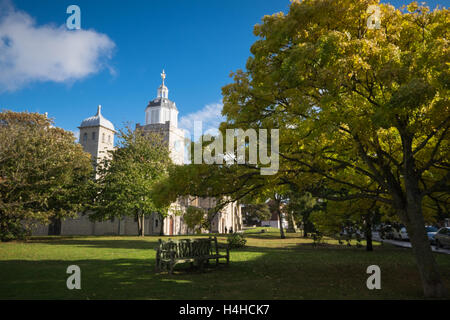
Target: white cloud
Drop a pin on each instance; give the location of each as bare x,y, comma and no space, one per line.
210,116
30,53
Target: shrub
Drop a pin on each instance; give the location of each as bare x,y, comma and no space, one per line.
12,229
236,240
317,237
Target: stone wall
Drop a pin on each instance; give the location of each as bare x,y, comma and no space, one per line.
229,218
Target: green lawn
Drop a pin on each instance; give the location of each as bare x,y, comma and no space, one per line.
268,268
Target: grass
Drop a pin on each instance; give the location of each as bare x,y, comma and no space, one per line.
268,268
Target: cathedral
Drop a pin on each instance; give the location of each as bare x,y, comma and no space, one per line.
97,137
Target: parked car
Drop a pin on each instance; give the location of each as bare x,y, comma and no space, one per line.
431,232
387,232
401,234
442,237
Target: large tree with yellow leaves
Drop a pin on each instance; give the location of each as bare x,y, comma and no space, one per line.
363,113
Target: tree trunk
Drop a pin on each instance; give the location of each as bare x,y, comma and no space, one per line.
138,219
142,226
433,286
161,230
412,216
307,227
368,234
292,225
280,219
54,229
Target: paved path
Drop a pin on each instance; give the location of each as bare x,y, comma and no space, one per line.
406,244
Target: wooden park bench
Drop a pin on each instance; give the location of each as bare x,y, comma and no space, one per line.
170,253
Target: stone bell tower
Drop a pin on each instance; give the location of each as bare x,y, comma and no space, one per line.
97,135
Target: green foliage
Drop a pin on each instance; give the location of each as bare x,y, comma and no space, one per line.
317,238
127,179
301,206
201,180
195,218
236,240
256,211
44,173
317,67
12,229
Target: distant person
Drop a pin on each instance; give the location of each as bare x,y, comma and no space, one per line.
231,230
226,230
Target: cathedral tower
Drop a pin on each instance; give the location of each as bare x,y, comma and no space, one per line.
161,116
97,135
161,109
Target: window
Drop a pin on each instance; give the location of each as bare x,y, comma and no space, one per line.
109,139
156,223
93,135
103,137
85,137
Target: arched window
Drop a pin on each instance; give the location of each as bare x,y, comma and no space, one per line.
93,135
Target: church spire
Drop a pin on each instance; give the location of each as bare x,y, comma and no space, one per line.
163,92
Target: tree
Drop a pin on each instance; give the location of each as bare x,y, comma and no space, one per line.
300,206
127,178
275,205
256,212
44,174
348,217
369,104
194,218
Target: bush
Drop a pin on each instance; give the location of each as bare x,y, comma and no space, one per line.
12,229
317,237
236,240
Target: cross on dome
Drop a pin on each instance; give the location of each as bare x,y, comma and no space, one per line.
163,92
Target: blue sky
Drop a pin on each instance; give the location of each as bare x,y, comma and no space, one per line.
198,43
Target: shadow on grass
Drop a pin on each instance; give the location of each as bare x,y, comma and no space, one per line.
151,242
114,242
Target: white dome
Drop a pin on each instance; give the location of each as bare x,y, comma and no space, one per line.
97,120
